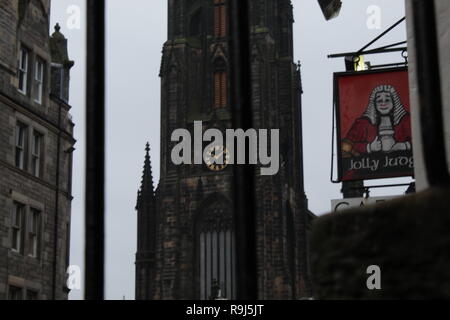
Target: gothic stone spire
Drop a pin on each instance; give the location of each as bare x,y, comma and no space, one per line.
147,190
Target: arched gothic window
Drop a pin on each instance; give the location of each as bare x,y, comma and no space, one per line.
220,18
216,245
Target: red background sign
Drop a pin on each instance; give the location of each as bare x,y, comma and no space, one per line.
359,125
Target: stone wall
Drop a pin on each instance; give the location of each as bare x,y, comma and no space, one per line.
406,238
26,23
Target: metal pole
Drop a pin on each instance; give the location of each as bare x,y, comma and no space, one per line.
385,49
430,94
381,35
95,151
245,218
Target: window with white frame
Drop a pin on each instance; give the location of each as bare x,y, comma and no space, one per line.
34,230
21,145
23,70
18,215
38,80
36,154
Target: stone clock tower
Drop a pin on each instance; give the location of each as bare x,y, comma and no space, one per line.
186,244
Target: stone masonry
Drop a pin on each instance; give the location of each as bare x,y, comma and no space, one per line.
35,163
189,212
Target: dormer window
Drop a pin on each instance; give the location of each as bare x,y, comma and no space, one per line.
58,81
23,70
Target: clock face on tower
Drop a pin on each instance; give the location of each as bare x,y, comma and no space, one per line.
213,155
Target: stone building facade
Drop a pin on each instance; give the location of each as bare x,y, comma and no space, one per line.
186,245
36,145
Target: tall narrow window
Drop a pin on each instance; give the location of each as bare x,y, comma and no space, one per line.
38,80
216,247
70,172
23,70
58,81
220,89
21,145
18,215
36,154
62,87
220,18
220,85
15,293
34,232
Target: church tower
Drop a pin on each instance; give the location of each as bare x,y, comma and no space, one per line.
186,243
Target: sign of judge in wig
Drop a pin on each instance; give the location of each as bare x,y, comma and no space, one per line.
374,125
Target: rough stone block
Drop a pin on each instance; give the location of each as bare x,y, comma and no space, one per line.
407,238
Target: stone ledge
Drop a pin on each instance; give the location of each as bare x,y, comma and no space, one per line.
408,238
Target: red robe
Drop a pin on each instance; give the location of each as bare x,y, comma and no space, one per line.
363,132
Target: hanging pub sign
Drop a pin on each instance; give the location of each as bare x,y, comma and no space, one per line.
374,124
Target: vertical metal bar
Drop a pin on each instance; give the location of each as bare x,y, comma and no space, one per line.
95,151
430,94
205,252
218,258
245,219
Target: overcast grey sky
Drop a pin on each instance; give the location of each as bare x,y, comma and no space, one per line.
136,33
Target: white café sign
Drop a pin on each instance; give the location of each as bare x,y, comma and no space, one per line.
344,204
